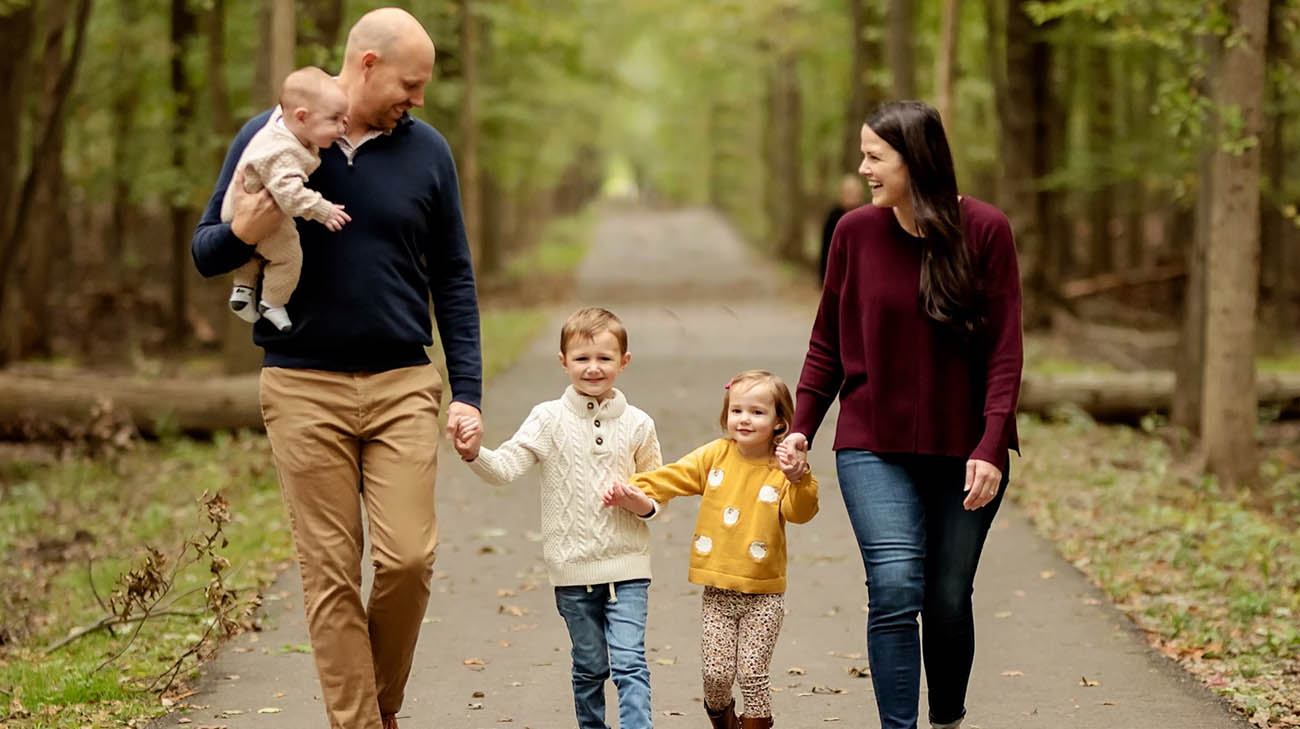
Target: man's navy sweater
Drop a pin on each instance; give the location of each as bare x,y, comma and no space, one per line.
362,302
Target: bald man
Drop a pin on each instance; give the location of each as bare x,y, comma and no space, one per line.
349,397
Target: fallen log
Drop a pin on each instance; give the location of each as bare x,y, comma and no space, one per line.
195,407
1127,396
200,407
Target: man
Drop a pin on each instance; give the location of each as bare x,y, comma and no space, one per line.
851,193
348,395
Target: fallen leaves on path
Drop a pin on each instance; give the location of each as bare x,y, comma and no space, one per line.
269,710
1083,681
795,671
1013,673
473,662
855,672
850,656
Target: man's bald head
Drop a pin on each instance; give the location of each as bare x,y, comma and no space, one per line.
386,65
387,32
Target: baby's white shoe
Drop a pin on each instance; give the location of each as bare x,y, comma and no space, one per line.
277,316
241,302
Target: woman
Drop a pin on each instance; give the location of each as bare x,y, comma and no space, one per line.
918,333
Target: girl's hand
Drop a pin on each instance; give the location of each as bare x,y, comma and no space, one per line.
795,472
630,498
466,439
982,482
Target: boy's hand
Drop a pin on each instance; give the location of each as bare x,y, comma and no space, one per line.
337,219
628,497
464,428
466,440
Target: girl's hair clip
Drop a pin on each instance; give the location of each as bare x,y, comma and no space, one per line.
728,385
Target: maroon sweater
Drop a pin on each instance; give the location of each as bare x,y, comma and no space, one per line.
907,384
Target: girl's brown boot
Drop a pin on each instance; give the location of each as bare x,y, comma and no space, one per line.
723,718
756,722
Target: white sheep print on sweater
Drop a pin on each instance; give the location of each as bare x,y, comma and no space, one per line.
730,516
768,494
703,544
715,477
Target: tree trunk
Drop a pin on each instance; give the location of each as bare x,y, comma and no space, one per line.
46,139
492,238
223,125
319,30
1101,140
49,234
184,24
16,35
467,164
946,67
902,26
282,44
864,95
1190,393
786,110
1228,414
1276,275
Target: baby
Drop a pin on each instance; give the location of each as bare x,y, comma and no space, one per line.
279,158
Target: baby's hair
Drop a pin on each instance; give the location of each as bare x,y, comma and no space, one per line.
306,87
780,396
589,322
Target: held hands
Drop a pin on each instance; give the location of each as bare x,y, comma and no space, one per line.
256,215
464,429
792,456
337,219
982,482
628,497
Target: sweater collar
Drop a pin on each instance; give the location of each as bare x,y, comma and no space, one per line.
587,406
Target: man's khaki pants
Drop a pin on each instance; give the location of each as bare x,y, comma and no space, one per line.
339,438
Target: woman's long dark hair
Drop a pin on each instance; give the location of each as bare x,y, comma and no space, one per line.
950,293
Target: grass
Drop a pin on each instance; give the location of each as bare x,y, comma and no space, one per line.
75,520
560,250
1212,579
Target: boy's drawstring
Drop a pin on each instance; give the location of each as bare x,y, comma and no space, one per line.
613,594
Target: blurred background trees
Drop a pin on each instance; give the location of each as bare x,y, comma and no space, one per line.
1141,148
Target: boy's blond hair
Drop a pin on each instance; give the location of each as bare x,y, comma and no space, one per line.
589,322
780,396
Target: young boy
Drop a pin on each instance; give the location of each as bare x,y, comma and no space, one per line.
598,559
311,115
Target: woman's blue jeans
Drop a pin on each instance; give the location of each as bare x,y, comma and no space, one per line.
607,630
920,548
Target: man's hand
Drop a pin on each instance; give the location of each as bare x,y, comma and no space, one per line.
256,214
982,482
337,219
465,429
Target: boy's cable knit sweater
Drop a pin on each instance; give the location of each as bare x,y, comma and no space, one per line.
583,445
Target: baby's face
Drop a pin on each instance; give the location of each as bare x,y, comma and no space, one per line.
327,120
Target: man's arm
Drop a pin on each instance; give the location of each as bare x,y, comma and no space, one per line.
215,247
455,298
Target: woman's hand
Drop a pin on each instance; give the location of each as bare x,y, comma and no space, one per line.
792,448
982,482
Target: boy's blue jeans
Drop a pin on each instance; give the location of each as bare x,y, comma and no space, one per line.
920,547
608,635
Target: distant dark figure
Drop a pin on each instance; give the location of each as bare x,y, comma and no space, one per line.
850,197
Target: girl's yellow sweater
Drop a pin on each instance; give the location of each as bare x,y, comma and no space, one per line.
739,541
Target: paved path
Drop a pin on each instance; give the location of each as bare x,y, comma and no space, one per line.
494,653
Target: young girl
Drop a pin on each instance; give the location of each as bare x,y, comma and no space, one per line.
738,551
